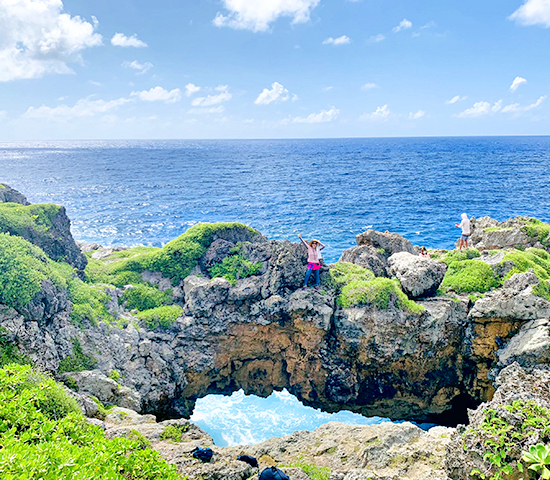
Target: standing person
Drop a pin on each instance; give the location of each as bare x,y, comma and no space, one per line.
313,260
465,225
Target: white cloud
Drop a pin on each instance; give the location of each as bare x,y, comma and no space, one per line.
533,12
159,94
36,38
191,89
218,109
121,40
516,83
368,86
456,98
328,89
337,41
417,115
402,26
480,109
94,83
381,113
140,67
516,108
258,15
83,108
322,117
209,100
278,93
377,38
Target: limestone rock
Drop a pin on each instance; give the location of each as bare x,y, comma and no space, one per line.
89,247
46,303
202,295
126,417
366,256
389,242
529,347
109,392
216,252
419,276
8,194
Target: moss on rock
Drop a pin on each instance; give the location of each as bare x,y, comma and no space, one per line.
468,276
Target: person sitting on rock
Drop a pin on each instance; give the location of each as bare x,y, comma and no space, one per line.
424,252
465,225
314,258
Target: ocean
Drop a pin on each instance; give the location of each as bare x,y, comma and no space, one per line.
149,192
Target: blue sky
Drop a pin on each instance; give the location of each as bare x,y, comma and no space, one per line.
77,69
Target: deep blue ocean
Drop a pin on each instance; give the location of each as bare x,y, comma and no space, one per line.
149,192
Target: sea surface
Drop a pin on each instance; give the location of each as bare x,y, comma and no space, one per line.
149,192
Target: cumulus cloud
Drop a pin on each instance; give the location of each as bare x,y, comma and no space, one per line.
159,94
322,117
218,109
210,100
403,25
456,98
377,38
480,109
278,93
337,41
258,15
417,115
140,67
83,108
191,89
368,86
36,38
516,108
381,113
533,12
516,83
121,40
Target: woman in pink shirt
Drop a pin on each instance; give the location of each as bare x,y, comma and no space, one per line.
313,260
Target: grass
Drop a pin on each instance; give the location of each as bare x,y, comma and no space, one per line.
160,317
44,435
536,229
77,361
460,255
312,471
468,276
143,297
174,433
357,286
497,229
24,220
9,352
235,267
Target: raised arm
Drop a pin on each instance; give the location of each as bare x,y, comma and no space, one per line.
303,241
321,246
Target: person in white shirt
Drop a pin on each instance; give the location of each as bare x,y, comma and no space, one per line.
465,225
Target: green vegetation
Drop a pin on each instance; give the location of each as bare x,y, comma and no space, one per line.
537,229
25,220
497,229
89,302
114,375
44,436
504,435
460,255
160,317
312,471
23,268
357,285
137,437
180,256
9,353
142,297
235,267
78,361
174,432
469,276
532,258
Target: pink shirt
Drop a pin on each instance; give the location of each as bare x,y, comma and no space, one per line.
312,252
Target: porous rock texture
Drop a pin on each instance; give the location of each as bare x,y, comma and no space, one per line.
9,194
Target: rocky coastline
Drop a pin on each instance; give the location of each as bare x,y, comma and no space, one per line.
390,333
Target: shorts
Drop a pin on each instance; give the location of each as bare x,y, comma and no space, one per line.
314,266
464,237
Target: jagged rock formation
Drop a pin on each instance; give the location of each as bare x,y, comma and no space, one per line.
8,194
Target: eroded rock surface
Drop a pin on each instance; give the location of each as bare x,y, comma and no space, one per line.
419,276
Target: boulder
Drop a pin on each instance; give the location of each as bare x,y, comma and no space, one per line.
419,276
386,243
8,194
216,252
366,256
202,295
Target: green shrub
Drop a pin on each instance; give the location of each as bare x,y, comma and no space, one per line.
23,268
344,272
180,256
235,267
497,229
469,276
161,317
174,432
504,437
537,229
460,255
312,471
137,437
78,361
532,258
44,436
25,220
114,375
89,302
143,297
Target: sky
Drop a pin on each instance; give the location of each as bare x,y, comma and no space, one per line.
192,69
